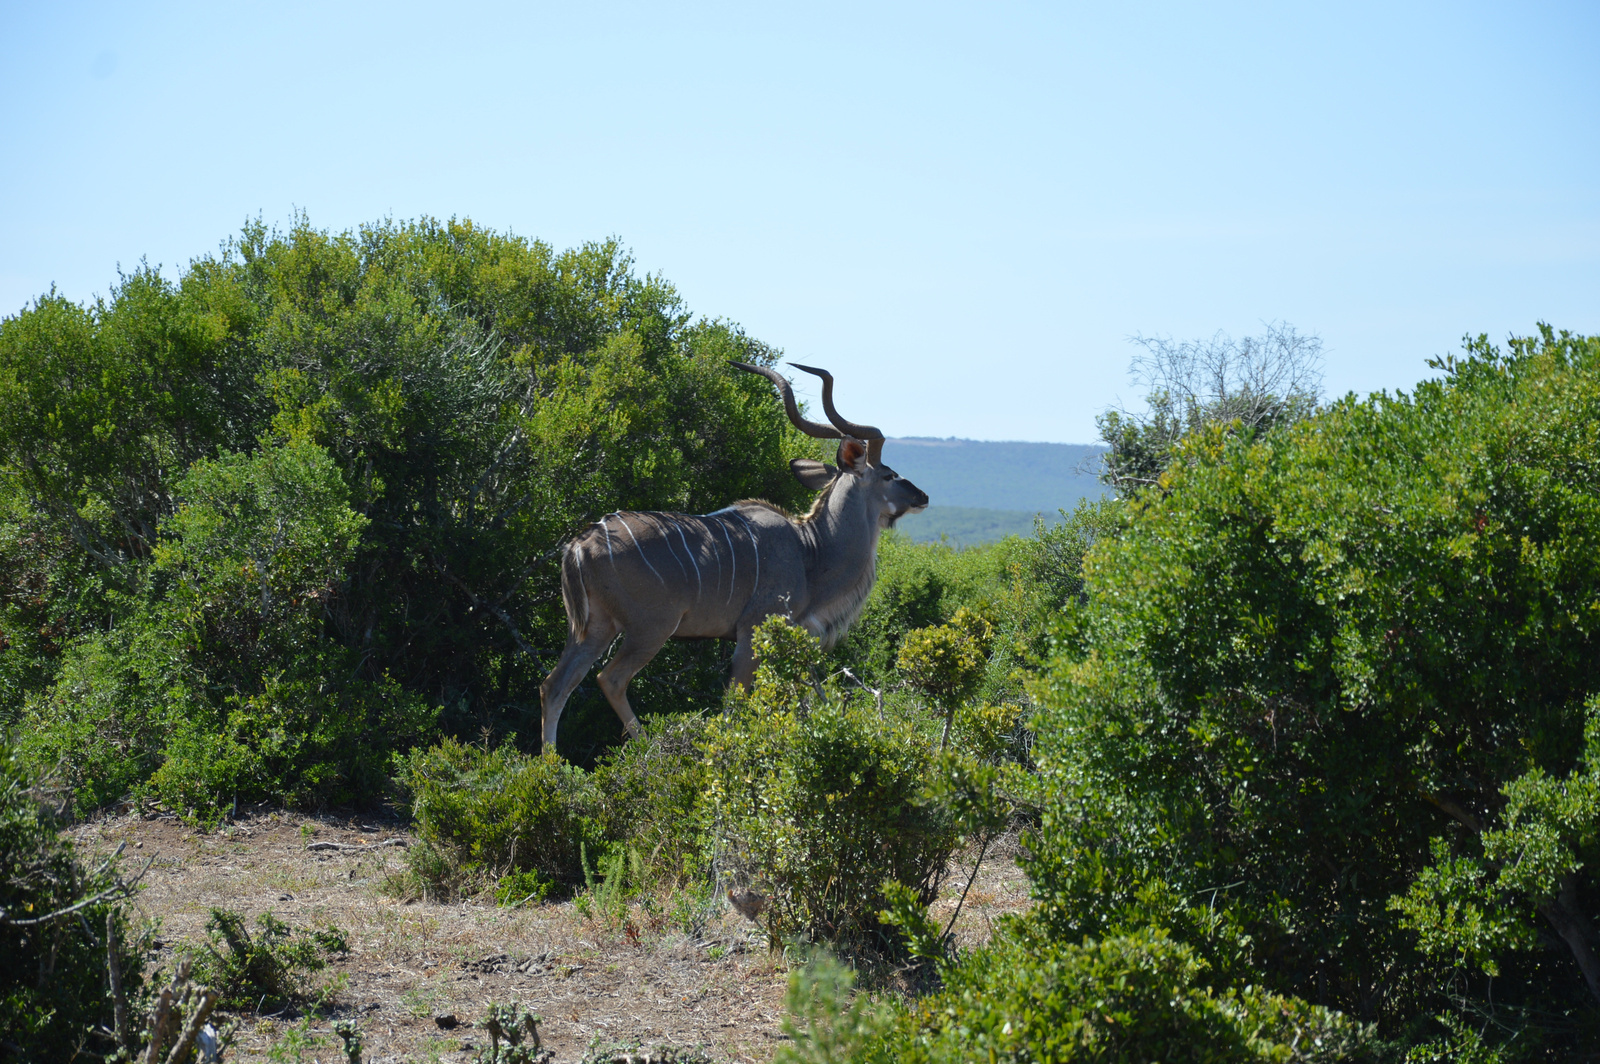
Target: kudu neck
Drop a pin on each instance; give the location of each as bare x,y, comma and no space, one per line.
844,535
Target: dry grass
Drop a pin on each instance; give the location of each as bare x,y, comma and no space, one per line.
642,982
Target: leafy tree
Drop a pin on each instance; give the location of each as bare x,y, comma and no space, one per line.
947,662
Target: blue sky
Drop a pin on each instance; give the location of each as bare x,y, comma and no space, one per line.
964,211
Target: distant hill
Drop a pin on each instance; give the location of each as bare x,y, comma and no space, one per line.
983,490
962,526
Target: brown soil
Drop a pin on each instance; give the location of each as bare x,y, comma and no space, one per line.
644,982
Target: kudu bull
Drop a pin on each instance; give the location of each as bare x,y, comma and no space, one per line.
657,576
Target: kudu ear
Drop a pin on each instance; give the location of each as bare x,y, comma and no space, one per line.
814,475
852,455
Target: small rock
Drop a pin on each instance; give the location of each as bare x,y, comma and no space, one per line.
447,1022
467,1047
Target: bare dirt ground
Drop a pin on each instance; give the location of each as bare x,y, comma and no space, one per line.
411,962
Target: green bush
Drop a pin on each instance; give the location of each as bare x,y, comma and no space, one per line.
829,1023
305,739
648,795
53,984
947,662
1131,997
824,800
525,822
274,965
49,595
107,718
223,686
484,814
1344,663
521,888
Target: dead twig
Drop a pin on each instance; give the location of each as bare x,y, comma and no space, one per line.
876,692
158,1026
191,1031
119,1002
346,848
983,848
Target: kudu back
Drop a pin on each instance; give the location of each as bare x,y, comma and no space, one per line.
650,577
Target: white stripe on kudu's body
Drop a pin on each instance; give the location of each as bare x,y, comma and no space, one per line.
817,569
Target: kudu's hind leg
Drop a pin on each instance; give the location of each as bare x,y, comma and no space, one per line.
635,653
575,661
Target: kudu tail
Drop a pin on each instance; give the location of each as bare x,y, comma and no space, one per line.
573,594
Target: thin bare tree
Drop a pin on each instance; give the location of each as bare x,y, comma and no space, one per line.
1258,382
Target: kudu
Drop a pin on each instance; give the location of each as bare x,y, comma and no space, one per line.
657,576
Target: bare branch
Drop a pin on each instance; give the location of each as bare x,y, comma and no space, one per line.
502,615
1256,382
123,887
191,1030
982,849
119,1002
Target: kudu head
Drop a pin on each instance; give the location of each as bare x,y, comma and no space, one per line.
883,493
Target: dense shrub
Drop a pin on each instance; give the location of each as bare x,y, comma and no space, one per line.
483,814
273,965
105,721
528,823
648,795
820,799
224,685
1348,663
53,984
1130,997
